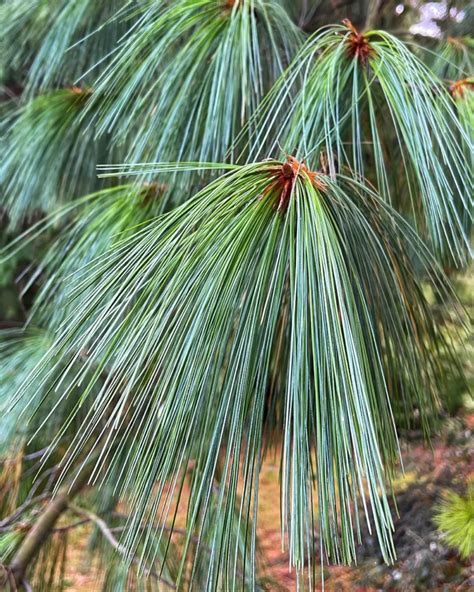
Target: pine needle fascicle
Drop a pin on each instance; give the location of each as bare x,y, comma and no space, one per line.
50,154
274,297
186,78
370,104
51,44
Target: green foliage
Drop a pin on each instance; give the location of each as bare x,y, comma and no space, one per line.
455,518
82,35
90,226
263,287
347,95
454,58
189,322
21,351
186,78
8,543
24,26
19,354
50,155
60,40
463,93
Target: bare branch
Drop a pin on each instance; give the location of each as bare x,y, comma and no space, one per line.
36,537
108,535
71,526
21,509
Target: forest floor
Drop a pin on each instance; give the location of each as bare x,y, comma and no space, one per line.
425,562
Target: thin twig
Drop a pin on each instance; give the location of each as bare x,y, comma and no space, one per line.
26,457
21,509
163,527
39,533
71,526
108,535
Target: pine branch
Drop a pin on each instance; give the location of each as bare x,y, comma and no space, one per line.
185,80
274,283
366,98
283,298
51,44
50,156
8,520
43,526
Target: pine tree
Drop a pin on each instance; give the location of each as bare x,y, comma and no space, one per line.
229,216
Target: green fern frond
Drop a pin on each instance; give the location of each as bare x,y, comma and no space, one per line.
188,76
271,284
346,94
455,518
